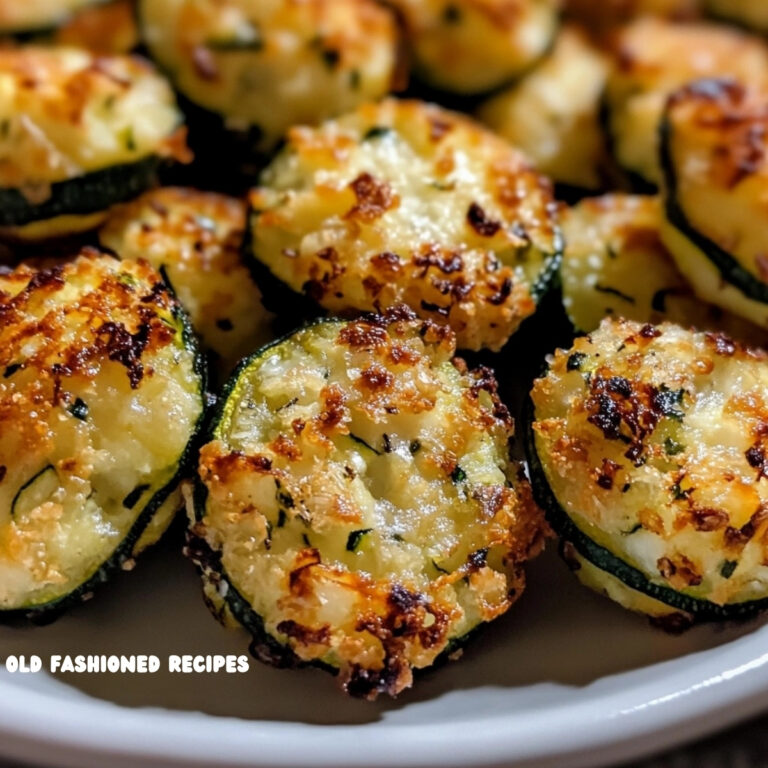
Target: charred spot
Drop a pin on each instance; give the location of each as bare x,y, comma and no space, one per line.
491,499
708,519
431,256
502,294
756,459
722,344
428,306
224,324
125,348
305,635
404,600
738,537
479,220
334,410
673,623
649,331
374,198
607,474
575,361
681,571
387,263
363,683
478,559
314,289
3,472
362,335
305,560
619,386
282,445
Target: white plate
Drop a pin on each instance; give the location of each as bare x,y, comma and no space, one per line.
566,679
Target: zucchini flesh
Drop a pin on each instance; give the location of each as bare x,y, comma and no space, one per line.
720,205
454,223
354,515
195,240
106,391
616,264
612,462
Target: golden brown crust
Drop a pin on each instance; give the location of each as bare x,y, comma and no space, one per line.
373,516
406,202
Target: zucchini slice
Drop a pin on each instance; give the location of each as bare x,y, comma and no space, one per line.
716,177
647,450
553,113
655,57
195,239
70,158
101,391
616,264
264,67
356,506
405,202
752,14
468,47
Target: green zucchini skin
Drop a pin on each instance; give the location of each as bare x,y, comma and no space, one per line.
701,610
87,194
730,270
122,557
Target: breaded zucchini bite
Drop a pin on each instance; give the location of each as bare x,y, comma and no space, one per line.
78,133
195,240
716,180
653,59
616,264
750,13
264,66
30,16
101,391
475,46
648,453
553,113
356,505
404,202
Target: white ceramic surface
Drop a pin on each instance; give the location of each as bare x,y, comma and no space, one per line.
566,679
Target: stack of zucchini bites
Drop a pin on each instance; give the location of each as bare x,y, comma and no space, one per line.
244,239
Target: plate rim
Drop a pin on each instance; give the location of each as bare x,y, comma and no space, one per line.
716,687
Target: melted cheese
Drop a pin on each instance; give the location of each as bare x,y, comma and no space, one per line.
652,439
552,114
30,15
196,237
65,112
406,202
717,151
271,64
654,58
359,481
616,264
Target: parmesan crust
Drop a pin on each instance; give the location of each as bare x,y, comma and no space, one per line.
404,202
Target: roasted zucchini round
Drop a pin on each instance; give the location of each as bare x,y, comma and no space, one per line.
404,202
356,507
78,132
648,452
264,67
654,58
475,46
616,264
749,13
101,392
553,114
716,179
195,240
